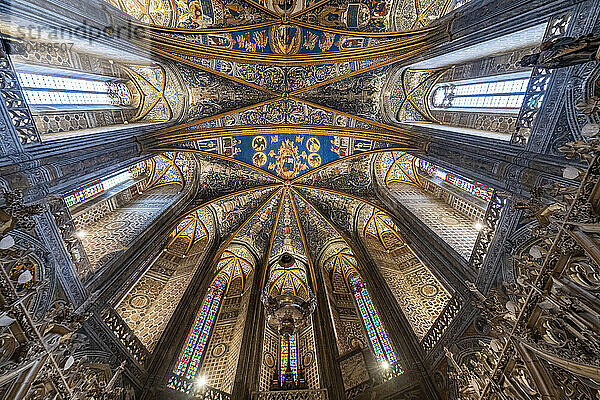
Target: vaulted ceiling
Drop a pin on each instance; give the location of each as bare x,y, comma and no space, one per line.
284,110
288,114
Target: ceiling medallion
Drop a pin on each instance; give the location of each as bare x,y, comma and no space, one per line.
288,160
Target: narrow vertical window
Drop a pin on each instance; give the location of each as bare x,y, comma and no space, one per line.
288,356
189,360
377,335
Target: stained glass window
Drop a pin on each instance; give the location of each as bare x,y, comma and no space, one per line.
58,90
343,262
294,357
472,187
377,334
94,188
288,354
505,94
231,266
189,360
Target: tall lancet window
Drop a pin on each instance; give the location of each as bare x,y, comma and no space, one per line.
60,91
188,375
289,356
189,360
377,335
499,93
343,262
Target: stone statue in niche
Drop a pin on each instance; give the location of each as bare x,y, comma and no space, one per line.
564,52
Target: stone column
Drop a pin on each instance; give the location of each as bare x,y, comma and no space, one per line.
325,339
250,358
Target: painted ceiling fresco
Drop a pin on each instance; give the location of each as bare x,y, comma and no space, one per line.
285,155
210,94
193,227
409,98
356,95
359,16
281,78
280,106
156,93
284,112
281,39
287,27
287,238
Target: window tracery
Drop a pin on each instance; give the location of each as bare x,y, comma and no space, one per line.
231,272
343,263
55,90
500,93
288,355
189,360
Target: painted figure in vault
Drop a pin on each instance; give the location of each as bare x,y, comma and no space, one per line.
314,160
259,159
352,16
230,147
220,40
285,6
331,16
286,39
313,145
259,143
196,13
204,13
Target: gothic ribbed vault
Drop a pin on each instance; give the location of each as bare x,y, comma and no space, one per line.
299,199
